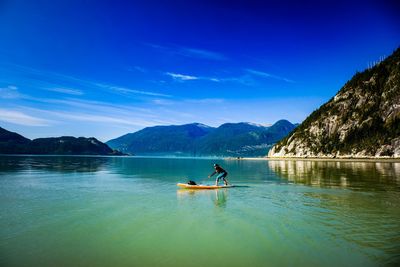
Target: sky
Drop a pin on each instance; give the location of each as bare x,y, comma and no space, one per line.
107,68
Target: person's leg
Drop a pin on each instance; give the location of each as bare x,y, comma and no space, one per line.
225,180
217,179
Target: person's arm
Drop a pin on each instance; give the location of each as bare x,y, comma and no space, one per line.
212,174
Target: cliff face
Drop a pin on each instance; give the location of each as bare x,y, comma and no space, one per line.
361,121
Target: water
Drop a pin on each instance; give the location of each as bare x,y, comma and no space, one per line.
118,211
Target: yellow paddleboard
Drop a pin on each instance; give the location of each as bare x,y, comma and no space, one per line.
200,186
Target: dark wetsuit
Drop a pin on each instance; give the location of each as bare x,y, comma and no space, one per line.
221,173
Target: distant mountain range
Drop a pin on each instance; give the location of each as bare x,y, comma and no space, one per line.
361,120
13,143
229,139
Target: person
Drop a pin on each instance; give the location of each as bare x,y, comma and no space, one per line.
221,174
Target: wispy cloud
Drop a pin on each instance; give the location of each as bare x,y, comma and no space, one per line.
212,79
268,75
17,117
133,91
61,83
182,77
96,107
97,114
100,118
66,91
201,53
206,100
245,79
100,112
164,102
137,68
9,92
189,52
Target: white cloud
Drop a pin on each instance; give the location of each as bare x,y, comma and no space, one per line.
44,79
133,91
90,106
17,117
268,75
185,77
113,119
99,113
66,91
9,92
206,101
163,102
244,79
189,52
181,77
100,118
137,68
177,102
200,53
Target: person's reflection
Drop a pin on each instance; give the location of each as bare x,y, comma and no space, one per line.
220,198
217,196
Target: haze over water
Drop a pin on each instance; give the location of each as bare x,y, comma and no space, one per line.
127,211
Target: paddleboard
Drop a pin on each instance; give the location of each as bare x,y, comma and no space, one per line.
200,186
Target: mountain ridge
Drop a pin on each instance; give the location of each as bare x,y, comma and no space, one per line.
14,143
229,139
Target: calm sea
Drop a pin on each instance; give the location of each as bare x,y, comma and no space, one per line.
127,211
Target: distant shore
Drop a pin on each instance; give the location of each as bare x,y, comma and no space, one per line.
224,158
318,159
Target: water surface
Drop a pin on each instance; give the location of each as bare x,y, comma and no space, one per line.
126,211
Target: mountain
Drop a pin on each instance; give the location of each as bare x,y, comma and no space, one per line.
361,120
174,139
13,143
243,139
68,145
229,139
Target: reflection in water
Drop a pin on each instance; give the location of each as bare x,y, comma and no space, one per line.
220,198
53,163
217,196
366,175
370,224
364,215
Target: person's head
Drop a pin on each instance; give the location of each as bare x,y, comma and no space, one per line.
216,165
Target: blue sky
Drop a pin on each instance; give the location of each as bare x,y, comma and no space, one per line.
106,68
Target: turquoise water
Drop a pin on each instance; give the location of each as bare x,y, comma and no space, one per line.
121,211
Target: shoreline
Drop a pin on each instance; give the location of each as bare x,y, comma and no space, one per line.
389,160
